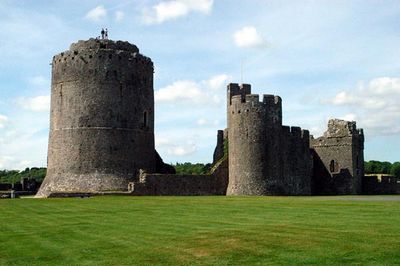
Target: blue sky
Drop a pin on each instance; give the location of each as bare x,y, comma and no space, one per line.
325,59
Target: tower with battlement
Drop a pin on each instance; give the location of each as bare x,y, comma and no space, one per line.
339,159
102,118
265,158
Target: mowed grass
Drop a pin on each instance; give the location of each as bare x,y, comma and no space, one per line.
201,231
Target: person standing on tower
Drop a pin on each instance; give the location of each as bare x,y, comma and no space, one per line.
102,33
106,34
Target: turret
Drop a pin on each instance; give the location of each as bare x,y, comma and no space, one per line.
254,129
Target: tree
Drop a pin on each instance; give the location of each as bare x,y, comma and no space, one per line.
371,167
395,171
13,176
385,167
377,167
192,169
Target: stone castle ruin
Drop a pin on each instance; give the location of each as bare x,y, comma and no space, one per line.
102,137
339,159
265,158
101,118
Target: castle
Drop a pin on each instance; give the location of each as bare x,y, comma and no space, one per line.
268,158
102,137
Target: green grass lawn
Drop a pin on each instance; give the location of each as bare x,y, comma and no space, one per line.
201,230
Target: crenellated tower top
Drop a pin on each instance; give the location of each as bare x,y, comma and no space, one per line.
241,101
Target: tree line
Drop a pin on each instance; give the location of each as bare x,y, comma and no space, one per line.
38,173
377,167
15,176
192,168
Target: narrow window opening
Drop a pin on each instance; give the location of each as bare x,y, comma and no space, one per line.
332,166
61,88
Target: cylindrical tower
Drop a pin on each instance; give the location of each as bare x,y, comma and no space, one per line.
102,118
253,136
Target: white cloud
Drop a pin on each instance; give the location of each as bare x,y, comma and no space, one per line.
248,37
96,14
197,110
218,82
175,146
385,86
3,120
37,104
23,142
182,150
11,163
119,16
168,10
202,122
207,91
375,105
206,122
161,141
178,91
349,117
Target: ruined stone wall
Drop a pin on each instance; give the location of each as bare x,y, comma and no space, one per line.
102,117
296,161
374,184
214,183
341,148
219,148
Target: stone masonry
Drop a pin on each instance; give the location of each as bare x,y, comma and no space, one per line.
338,159
102,137
102,118
265,158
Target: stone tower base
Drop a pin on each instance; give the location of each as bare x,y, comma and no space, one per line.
83,183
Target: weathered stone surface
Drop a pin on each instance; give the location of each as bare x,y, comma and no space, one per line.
340,154
102,118
265,158
219,148
183,185
102,137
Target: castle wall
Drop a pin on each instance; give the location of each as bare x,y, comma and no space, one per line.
382,184
296,161
184,185
219,148
101,118
340,150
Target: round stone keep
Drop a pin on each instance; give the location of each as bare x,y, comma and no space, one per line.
101,120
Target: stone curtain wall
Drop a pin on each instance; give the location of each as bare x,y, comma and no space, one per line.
372,184
296,161
184,185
